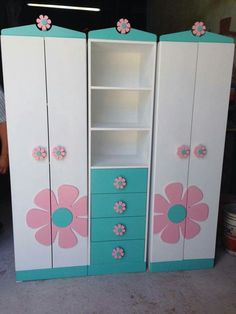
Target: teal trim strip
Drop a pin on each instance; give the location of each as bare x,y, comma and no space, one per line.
112,34
51,273
114,269
33,31
187,36
181,265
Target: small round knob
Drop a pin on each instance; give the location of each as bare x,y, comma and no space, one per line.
119,230
200,151
39,153
183,151
118,253
119,207
119,183
59,152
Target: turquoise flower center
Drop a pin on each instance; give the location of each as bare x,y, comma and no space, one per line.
199,28
62,217
44,22
38,154
177,213
123,25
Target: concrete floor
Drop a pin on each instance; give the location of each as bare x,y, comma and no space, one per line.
208,291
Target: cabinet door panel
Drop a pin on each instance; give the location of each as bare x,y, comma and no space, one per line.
25,93
209,122
66,80
174,102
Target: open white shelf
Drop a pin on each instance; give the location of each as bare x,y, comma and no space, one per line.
120,148
122,64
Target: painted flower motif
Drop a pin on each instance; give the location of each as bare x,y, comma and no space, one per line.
198,29
43,22
66,216
171,215
39,153
183,151
123,26
59,152
119,207
200,151
119,182
119,230
118,253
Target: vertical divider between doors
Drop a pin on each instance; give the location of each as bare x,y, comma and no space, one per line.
48,148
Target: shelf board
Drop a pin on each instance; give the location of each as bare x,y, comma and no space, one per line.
118,127
118,161
121,88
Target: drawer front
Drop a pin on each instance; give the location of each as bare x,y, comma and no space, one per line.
121,205
105,252
119,180
127,228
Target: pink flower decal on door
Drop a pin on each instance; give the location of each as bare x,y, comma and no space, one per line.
66,217
172,216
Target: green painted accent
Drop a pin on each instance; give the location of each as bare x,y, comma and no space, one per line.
102,229
102,205
51,273
102,180
32,30
177,213
181,265
123,267
113,34
187,36
101,252
62,217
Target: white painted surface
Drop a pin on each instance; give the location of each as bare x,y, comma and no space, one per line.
176,66
24,82
67,105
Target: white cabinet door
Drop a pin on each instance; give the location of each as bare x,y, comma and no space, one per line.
176,69
213,78
25,93
66,86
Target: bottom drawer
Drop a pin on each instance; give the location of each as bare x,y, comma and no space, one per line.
116,252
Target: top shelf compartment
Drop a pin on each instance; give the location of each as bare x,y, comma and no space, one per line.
122,65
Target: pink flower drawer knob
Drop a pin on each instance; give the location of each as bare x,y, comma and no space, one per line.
119,183
119,207
200,151
183,151
119,230
39,153
118,253
59,152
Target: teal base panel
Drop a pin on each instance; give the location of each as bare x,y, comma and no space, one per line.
51,273
192,264
105,269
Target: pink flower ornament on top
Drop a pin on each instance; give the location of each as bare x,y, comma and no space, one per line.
59,152
119,183
198,29
179,212
123,26
39,153
43,23
59,217
118,253
119,207
119,230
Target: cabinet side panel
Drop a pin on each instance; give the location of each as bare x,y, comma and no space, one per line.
176,67
25,94
213,80
67,106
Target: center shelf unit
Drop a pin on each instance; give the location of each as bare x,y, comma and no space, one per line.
121,74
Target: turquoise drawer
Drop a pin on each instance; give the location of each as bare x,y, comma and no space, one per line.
127,228
119,180
121,205
102,252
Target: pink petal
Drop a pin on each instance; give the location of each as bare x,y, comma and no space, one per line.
67,194
160,204
80,225
198,212
192,229
44,28
40,25
49,21
41,16
159,223
45,17
174,192
80,208
36,218
38,20
67,238
193,194
43,235
42,199
171,233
